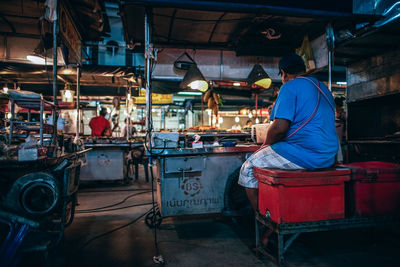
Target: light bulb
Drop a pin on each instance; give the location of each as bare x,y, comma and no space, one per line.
67,94
199,85
220,120
236,84
250,115
5,89
257,120
128,96
237,119
8,115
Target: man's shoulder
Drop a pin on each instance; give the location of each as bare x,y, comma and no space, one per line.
101,119
95,118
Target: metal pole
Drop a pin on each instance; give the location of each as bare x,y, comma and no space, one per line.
78,91
128,116
11,121
330,70
202,109
54,113
330,42
41,123
147,71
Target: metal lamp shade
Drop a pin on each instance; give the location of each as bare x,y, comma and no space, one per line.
259,76
194,80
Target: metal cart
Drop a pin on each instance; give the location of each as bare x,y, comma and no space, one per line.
288,232
199,181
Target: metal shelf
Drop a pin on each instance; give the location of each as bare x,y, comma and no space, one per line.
396,141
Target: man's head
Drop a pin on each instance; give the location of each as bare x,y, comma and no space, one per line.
103,112
290,66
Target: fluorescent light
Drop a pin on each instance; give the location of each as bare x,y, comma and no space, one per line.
128,96
236,84
36,59
67,71
341,83
190,93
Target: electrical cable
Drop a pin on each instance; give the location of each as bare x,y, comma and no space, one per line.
119,190
120,208
115,229
154,217
115,204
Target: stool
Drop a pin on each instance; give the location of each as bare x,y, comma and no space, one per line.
137,157
145,162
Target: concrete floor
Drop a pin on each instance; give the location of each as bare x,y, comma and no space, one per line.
200,240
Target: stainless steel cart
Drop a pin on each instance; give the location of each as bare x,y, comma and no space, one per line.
199,181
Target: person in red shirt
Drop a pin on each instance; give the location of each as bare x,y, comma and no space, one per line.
100,125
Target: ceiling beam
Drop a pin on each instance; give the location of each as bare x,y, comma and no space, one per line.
171,25
240,8
215,26
8,23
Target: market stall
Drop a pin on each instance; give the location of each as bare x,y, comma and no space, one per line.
108,159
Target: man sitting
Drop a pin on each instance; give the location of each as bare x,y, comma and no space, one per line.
303,133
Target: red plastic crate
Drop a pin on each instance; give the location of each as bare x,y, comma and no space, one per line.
374,188
300,196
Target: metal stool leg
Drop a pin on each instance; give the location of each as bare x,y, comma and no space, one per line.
146,169
281,250
136,171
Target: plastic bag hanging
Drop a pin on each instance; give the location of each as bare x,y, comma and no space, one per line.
306,52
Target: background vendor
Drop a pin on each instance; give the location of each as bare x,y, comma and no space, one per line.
100,125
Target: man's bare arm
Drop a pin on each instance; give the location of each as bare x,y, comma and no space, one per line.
277,131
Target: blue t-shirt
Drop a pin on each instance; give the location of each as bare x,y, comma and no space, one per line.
315,145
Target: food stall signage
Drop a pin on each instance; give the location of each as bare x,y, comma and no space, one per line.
69,33
156,98
191,186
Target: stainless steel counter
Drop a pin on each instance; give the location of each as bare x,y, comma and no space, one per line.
205,150
107,161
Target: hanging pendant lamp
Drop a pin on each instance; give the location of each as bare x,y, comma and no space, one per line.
259,76
194,79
